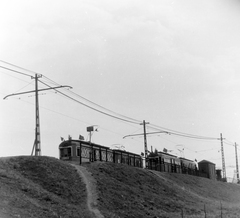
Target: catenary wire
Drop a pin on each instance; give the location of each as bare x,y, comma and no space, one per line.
15,71
93,103
53,111
177,133
126,119
102,112
13,65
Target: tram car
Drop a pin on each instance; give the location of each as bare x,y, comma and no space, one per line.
188,166
83,151
165,162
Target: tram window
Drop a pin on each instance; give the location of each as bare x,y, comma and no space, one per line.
78,152
65,152
69,152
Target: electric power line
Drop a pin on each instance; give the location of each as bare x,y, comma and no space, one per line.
90,107
178,133
15,71
228,142
97,105
53,111
13,65
110,113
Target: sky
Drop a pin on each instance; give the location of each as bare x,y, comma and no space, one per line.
171,63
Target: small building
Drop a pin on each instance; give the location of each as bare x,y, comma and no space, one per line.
208,168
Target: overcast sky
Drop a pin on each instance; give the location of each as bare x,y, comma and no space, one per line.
172,63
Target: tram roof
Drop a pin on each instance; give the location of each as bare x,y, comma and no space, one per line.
68,142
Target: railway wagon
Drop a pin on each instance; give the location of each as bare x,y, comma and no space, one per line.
164,162
121,156
188,166
78,150
83,151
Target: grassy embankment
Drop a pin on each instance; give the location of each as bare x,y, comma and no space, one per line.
46,187
130,192
40,187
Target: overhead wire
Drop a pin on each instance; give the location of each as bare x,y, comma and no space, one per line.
97,105
13,65
53,111
14,77
55,83
102,112
207,150
24,87
178,133
192,136
106,111
15,71
228,142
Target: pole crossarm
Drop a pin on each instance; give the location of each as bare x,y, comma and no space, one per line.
146,134
39,90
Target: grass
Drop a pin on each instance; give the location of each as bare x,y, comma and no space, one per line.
41,187
47,187
131,192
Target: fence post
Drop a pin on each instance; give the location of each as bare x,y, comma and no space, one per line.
182,212
205,211
221,208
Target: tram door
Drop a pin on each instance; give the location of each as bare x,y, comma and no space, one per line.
93,155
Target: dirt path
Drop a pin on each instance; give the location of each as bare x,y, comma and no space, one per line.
91,190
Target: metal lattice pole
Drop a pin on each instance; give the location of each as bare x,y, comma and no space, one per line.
145,138
37,140
223,159
237,163
37,129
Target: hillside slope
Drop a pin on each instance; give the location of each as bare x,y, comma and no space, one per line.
46,187
125,191
40,187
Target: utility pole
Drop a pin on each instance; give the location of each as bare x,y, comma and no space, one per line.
145,138
145,135
37,141
223,159
237,163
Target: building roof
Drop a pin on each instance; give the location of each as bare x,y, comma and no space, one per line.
206,161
